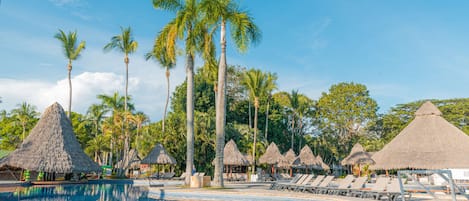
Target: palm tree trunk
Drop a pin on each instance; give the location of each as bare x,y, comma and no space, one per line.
220,111
124,123
167,98
256,107
266,120
292,131
249,111
69,68
190,116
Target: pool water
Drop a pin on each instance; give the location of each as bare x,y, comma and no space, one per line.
79,192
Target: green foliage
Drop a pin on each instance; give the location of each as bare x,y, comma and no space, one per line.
70,45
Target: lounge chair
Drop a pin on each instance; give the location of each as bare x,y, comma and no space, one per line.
277,184
281,185
304,182
356,187
291,185
181,177
377,189
167,175
324,184
343,184
393,191
314,183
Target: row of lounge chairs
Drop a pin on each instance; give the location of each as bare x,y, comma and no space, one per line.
384,188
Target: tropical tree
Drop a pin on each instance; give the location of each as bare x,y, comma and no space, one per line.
72,50
258,84
345,111
221,13
160,54
185,26
96,114
138,119
24,113
126,44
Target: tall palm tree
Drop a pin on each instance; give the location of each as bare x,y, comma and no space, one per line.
161,55
24,114
271,80
258,84
126,44
221,13
72,50
185,26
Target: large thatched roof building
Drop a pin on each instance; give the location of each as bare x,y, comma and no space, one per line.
271,156
358,155
159,155
428,142
232,155
51,147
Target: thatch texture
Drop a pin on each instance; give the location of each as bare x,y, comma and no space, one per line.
307,158
232,155
271,156
289,159
321,163
249,158
51,147
428,142
358,155
159,155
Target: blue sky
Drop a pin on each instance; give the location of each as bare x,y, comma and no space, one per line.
401,50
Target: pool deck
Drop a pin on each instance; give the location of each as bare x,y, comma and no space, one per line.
256,191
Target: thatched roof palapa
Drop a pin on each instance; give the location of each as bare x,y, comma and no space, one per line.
159,155
51,147
289,159
307,157
321,163
232,155
358,155
271,156
428,142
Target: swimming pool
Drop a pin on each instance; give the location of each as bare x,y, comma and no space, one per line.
120,191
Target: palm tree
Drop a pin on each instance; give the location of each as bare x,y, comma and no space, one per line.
161,55
138,119
185,26
258,84
126,44
24,114
243,32
96,114
271,79
72,50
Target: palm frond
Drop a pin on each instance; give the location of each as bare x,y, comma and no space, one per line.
170,5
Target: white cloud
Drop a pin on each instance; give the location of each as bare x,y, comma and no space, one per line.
148,94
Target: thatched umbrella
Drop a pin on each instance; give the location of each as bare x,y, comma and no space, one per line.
289,160
272,156
159,156
232,156
321,163
358,156
428,142
51,147
307,158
